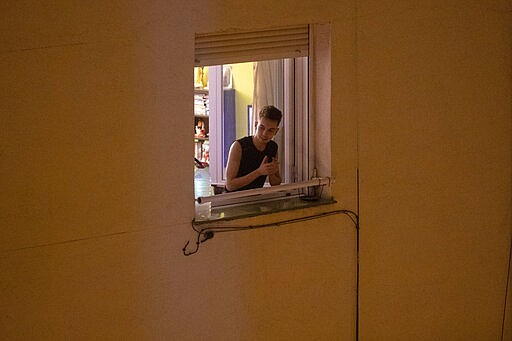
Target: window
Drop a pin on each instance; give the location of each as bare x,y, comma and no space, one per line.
256,84
279,67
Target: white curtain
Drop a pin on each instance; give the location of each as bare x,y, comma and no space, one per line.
268,90
267,79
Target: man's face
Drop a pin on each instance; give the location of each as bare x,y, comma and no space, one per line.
266,129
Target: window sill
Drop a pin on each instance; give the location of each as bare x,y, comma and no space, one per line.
260,208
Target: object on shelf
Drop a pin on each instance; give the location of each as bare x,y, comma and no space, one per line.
201,104
200,129
198,163
201,77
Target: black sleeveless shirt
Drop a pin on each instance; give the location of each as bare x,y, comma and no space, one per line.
252,158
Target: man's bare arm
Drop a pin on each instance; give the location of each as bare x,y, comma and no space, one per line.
232,181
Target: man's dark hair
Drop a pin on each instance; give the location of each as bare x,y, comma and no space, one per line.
272,113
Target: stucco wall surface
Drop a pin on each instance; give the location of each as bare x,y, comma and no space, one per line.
97,178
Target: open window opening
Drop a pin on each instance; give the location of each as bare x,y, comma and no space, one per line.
236,74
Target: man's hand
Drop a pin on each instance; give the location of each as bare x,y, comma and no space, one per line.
268,167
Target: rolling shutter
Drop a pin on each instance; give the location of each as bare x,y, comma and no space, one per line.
243,46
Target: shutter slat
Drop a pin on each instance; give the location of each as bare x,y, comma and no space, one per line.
253,41
244,46
294,45
303,30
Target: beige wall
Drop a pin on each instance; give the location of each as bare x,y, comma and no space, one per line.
243,83
96,200
435,161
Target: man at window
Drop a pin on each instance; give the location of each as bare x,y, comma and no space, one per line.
252,158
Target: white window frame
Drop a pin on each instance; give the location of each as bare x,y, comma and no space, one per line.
216,99
292,98
312,151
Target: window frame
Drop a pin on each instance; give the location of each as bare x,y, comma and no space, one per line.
292,98
317,94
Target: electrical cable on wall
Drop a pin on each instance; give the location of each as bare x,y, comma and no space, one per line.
209,231
506,292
